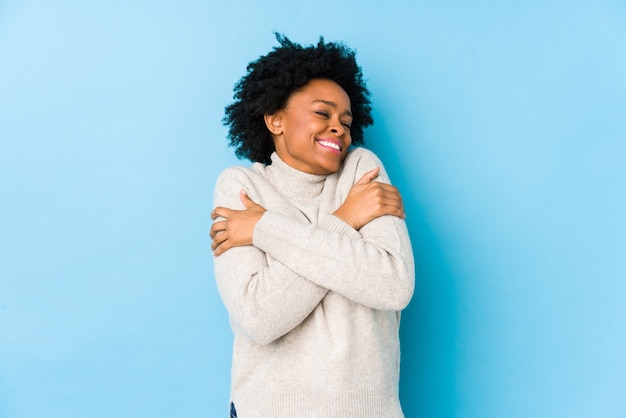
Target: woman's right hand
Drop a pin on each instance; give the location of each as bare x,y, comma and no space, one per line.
368,199
236,227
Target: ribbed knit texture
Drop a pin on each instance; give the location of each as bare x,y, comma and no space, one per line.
314,304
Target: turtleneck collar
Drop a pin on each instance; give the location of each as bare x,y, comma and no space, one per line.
294,182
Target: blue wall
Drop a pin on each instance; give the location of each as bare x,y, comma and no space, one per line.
503,124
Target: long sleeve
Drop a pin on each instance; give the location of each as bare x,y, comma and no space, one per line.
265,299
373,267
313,303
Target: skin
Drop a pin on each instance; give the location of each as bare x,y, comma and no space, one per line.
307,132
315,117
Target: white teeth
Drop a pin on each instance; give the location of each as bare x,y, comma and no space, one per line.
330,144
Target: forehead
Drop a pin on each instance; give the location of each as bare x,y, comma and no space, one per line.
322,90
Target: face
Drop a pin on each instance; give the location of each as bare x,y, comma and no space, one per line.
312,132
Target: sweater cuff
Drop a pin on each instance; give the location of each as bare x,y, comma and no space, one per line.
332,223
273,233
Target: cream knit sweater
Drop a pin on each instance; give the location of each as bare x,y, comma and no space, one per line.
314,305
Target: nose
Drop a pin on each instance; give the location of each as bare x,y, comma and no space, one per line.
337,128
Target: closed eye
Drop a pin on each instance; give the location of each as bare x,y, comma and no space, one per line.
324,114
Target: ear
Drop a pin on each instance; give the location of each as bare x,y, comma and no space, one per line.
274,123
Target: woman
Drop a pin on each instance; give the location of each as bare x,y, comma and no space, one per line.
312,256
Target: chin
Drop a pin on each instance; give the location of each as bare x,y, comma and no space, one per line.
331,170
332,166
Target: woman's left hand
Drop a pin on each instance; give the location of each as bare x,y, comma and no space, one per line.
237,227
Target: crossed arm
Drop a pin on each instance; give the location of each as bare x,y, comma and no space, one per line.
268,296
367,200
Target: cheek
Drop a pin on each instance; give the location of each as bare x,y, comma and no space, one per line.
346,149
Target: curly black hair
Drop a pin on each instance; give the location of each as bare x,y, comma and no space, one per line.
273,78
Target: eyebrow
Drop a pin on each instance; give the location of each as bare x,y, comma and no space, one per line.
332,104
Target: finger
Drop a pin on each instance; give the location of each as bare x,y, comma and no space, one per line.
220,211
217,227
397,212
387,203
391,193
220,248
392,203
219,241
380,189
369,176
381,192
245,199
385,186
396,206
392,210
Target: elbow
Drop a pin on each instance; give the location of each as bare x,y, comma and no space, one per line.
401,291
260,339
403,298
258,330
399,298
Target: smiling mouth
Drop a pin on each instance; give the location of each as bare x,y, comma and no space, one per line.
333,146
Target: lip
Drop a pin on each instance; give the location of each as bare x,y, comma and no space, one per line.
330,148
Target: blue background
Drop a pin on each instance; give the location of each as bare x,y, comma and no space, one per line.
502,122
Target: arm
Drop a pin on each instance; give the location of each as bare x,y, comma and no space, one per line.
264,298
372,266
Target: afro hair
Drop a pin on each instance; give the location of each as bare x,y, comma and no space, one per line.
273,78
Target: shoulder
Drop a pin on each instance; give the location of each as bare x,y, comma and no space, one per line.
240,175
361,160
233,179
360,155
